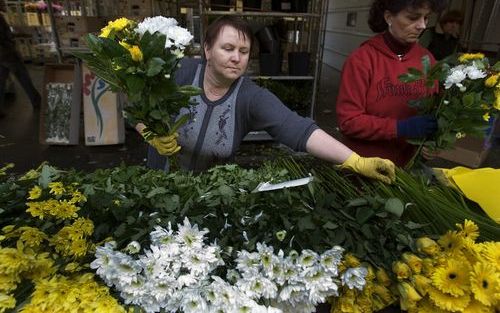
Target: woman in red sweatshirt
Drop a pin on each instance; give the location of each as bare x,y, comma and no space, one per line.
372,106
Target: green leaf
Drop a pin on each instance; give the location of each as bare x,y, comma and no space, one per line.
496,67
154,66
156,191
468,99
363,214
306,223
395,206
330,225
135,84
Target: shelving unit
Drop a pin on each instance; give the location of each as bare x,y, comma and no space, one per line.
307,32
32,31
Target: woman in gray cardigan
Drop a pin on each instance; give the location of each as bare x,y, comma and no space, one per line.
231,105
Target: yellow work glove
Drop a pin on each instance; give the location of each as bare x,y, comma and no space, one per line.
165,145
381,169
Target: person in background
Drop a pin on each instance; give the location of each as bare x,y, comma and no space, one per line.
372,105
231,105
11,62
443,41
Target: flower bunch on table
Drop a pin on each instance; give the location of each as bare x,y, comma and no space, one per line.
140,59
180,272
468,97
454,274
43,258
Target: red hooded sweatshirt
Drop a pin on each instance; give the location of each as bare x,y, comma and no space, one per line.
372,99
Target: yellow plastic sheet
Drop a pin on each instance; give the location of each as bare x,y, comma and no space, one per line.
479,185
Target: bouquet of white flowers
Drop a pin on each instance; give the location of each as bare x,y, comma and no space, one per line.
140,59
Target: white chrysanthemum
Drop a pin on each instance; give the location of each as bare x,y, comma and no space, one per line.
104,263
190,236
192,301
355,277
257,286
247,263
162,236
176,36
307,258
291,291
455,77
127,269
474,73
330,260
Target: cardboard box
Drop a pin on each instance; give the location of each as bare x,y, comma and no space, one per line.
61,73
79,24
468,151
45,19
33,19
102,112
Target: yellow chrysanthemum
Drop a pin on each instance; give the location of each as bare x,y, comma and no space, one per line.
486,117
477,307
35,193
8,282
6,302
136,53
427,246
469,229
470,56
77,197
12,261
448,302
491,81
31,236
485,282
491,252
452,278
497,99
42,268
119,24
105,32
451,241
56,188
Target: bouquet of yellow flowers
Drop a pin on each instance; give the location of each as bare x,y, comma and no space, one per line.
468,98
454,274
140,59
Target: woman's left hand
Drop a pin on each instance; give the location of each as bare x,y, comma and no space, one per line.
429,154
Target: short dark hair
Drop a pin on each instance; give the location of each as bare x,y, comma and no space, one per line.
214,29
451,16
376,19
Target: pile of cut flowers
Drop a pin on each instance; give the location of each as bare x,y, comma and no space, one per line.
124,238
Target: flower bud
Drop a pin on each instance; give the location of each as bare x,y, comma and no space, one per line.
421,284
281,235
409,296
427,246
413,261
133,247
382,277
402,270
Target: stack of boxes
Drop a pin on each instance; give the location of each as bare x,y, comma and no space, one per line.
71,29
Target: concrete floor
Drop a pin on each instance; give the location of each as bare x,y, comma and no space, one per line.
19,137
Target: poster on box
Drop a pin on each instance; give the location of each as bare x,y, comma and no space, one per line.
102,112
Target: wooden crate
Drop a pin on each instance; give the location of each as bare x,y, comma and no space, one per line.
32,19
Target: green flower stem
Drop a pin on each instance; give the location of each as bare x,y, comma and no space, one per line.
416,157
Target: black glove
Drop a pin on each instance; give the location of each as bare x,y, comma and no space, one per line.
417,126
